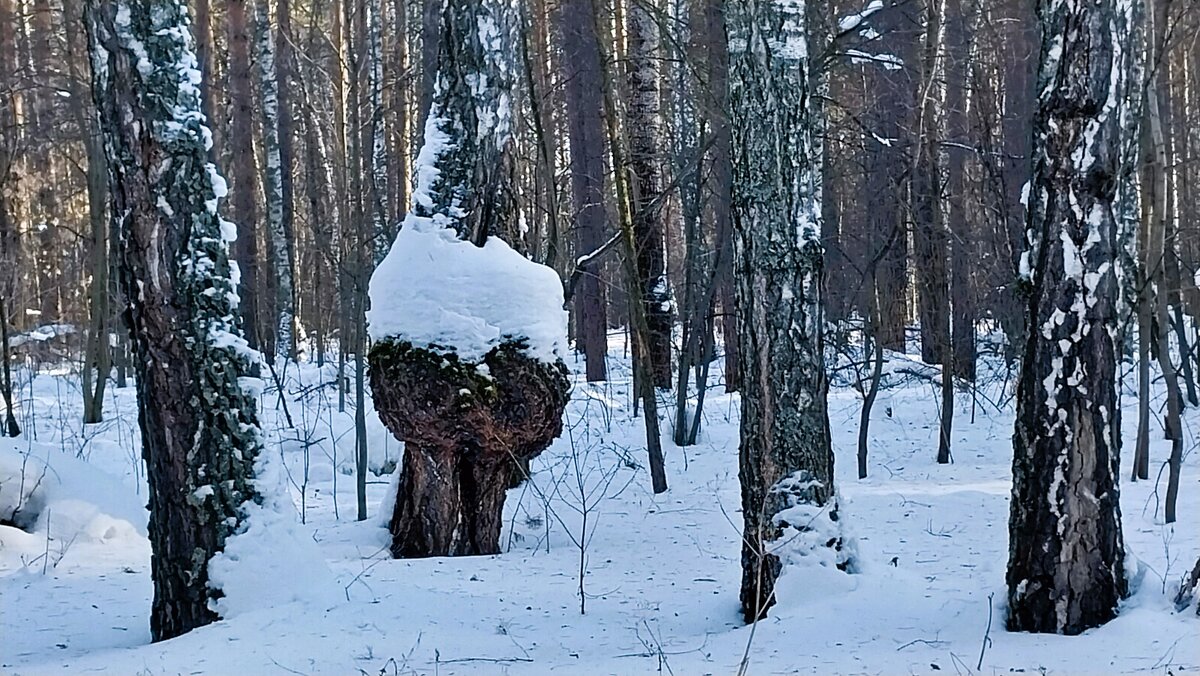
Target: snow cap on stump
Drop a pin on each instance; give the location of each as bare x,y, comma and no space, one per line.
444,294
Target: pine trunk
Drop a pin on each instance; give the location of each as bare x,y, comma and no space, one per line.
585,133
199,428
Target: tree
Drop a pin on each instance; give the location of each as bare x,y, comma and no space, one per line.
1066,552
244,202
786,460
648,198
585,134
199,428
277,181
470,422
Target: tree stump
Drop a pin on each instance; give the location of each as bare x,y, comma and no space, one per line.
468,428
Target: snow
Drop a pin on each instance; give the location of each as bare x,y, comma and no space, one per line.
662,571
852,21
439,292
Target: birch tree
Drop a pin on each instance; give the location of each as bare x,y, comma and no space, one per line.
276,185
1066,551
789,504
199,428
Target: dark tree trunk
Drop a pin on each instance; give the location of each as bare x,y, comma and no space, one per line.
1066,552
462,451
11,428
199,427
929,228
584,105
1020,33
888,164
958,224
712,50
789,504
244,178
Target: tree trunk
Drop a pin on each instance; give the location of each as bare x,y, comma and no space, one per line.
276,184
97,359
11,428
199,428
584,105
1020,33
382,230
647,197
789,504
1066,551
244,198
468,427
961,236
888,164
639,325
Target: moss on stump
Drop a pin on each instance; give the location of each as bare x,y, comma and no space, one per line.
468,429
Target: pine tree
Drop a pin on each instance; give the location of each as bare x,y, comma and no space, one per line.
1066,552
200,434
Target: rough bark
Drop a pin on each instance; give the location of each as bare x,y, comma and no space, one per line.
789,504
244,178
199,427
465,436
582,98
1066,552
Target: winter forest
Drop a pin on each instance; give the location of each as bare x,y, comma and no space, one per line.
392,337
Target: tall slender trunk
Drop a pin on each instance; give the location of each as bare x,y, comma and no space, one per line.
244,198
643,364
647,198
585,129
1020,33
382,229
97,358
895,91
276,184
11,428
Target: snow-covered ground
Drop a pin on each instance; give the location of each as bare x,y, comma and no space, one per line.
661,573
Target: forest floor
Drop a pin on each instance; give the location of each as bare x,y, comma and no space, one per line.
661,572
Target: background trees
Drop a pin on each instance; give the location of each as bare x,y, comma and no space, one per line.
620,126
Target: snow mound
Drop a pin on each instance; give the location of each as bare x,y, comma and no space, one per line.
274,561
436,291
44,489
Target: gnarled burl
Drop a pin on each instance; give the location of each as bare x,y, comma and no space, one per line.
468,429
